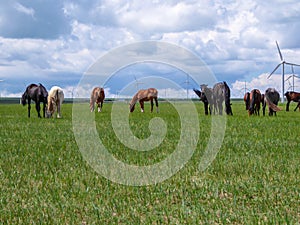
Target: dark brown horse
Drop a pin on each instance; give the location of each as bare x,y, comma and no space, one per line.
149,94
97,96
271,99
247,100
254,102
221,93
292,96
38,94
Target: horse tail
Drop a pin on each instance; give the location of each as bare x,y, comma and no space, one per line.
247,100
270,104
56,95
252,99
227,99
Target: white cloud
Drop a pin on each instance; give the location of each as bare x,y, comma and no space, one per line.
26,10
235,39
263,83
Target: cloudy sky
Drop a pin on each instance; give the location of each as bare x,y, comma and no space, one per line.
55,42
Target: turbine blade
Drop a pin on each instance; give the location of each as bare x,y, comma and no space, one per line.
289,78
292,64
274,70
280,55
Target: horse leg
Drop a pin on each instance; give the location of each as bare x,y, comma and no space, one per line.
142,105
29,107
151,101
99,106
264,108
58,109
287,108
297,106
206,108
220,108
44,109
38,108
156,103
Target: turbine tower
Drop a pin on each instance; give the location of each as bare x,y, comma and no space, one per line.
283,64
293,79
137,83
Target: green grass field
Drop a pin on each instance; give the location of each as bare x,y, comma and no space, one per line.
255,178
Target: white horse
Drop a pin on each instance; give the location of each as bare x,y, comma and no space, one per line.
55,99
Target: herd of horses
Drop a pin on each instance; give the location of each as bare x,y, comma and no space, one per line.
213,99
39,94
270,98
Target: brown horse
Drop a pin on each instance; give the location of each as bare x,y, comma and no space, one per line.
247,100
292,96
254,102
142,96
271,99
97,97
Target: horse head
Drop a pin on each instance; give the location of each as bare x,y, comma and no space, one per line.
23,99
131,107
50,107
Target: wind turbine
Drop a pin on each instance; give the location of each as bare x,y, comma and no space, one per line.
137,83
293,79
283,64
187,82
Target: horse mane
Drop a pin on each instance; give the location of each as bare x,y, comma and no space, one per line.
43,91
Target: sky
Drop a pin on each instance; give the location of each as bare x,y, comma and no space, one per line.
56,42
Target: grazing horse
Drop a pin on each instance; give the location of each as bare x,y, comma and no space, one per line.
221,93
254,102
247,100
292,96
38,94
97,97
271,99
55,100
142,96
206,97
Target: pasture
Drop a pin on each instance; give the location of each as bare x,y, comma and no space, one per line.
253,180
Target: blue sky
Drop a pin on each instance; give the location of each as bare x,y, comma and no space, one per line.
55,42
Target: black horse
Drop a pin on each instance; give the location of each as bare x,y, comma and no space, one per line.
38,94
204,99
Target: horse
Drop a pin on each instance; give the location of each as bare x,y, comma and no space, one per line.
292,96
221,93
142,96
204,99
55,100
254,102
97,96
247,100
38,94
271,99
